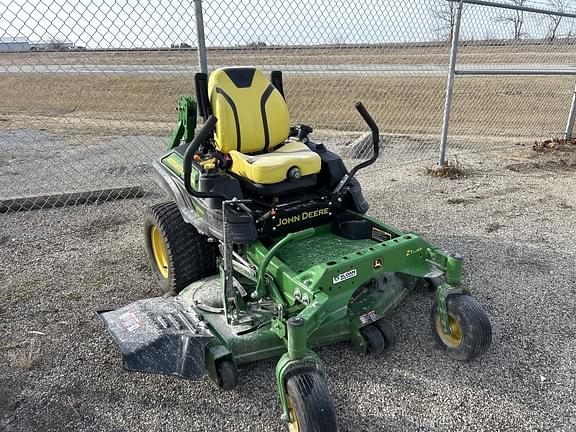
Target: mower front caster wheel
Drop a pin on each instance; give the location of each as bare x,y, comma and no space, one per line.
388,331
227,375
310,405
471,332
378,337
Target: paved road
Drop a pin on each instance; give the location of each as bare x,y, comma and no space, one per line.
318,69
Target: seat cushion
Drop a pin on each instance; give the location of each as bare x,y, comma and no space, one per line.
270,168
252,114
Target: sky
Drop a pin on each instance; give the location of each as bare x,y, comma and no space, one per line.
160,23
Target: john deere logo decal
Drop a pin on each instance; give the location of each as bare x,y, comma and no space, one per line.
377,263
303,216
344,276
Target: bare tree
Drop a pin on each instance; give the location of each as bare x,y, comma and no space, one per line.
570,33
555,20
516,19
445,12
56,44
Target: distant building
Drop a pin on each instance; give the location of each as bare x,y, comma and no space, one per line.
22,44
14,44
51,46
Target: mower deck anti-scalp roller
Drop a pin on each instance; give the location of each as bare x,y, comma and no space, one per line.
265,250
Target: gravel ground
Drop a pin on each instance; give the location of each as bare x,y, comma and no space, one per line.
513,217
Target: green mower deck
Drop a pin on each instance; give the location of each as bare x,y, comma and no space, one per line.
330,285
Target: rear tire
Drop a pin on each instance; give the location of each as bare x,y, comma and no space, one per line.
471,330
311,406
177,252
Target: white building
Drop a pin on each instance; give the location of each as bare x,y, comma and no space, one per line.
22,44
51,46
14,44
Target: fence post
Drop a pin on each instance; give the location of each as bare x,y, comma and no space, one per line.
571,115
450,84
202,62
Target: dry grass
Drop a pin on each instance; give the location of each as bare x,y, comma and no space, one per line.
91,105
555,145
25,358
451,170
558,53
484,107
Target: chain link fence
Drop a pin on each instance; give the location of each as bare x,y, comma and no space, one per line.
515,74
88,89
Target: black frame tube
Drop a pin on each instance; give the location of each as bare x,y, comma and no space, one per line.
203,134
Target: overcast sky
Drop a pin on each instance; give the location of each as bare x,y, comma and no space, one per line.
159,23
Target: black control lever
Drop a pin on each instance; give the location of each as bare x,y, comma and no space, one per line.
375,141
303,132
203,134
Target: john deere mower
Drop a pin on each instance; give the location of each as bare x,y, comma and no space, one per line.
265,250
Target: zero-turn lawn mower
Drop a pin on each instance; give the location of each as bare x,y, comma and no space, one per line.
268,252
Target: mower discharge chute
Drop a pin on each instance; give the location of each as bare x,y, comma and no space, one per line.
268,252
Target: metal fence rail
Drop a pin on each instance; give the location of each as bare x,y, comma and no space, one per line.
88,89
453,71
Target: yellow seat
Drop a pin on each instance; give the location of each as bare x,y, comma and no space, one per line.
253,125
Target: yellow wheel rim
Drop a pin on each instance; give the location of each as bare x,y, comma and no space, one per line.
293,425
452,340
159,251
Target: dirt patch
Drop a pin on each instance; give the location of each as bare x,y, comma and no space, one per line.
452,170
493,226
104,223
561,165
463,201
8,399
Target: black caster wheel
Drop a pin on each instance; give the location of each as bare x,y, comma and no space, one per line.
374,339
227,375
310,404
388,331
471,332
425,285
